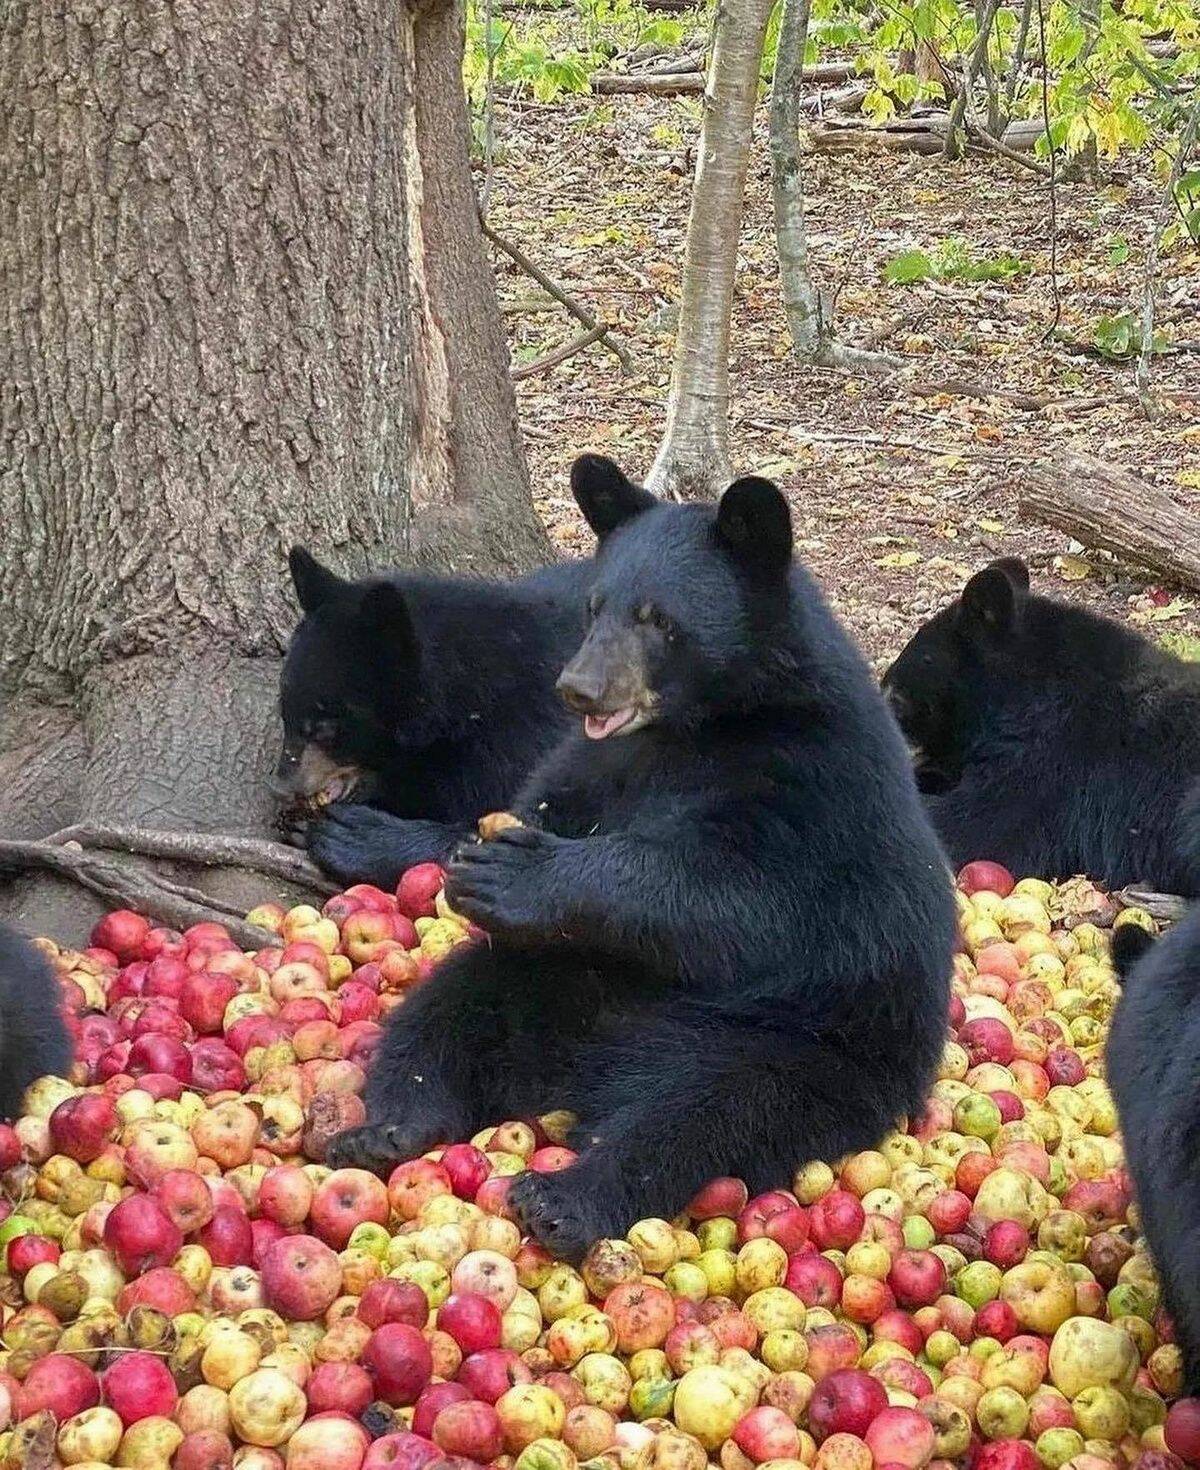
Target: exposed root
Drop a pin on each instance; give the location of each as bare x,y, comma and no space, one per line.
1166,907
73,854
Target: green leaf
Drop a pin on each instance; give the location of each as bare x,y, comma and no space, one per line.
912,265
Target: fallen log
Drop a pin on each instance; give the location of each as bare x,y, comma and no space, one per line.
925,134
1106,507
609,83
662,83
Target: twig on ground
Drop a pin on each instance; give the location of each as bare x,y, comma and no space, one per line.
560,354
560,294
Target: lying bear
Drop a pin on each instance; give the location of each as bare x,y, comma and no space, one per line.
1051,739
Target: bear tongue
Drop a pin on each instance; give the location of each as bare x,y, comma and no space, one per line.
596,727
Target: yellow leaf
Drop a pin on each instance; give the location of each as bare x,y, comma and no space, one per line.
1190,478
899,559
1176,608
993,526
1072,568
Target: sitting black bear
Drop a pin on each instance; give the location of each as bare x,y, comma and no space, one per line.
724,937
1053,740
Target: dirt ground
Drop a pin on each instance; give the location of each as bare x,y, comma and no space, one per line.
898,492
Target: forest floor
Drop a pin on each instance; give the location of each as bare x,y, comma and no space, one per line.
900,487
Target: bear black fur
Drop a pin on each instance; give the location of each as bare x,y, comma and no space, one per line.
1153,1062
33,1037
431,698
1053,740
724,937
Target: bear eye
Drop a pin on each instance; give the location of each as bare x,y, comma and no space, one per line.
655,617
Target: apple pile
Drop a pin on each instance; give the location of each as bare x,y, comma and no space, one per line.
187,1286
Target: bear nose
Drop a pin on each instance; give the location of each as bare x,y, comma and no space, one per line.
580,688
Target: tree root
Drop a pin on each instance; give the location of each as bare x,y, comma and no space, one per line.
71,854
1165,907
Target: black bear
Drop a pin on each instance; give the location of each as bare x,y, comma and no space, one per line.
33,1037
1051,739
1153,1064
723,937
430,698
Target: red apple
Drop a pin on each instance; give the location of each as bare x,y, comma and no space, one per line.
1183,1430
163,1289
123,933
26,1251
301,1278
141,1235
901,1436
898,1326
285,1195
724,1196
228,1238
1064,1067
1006,1454
344,1387
138,1386
845,1402
470,1429
766,1433
488,1374
155,1051
204,1449
948,1212
392,1300
815,1280
186,1199
836,1220
985,876
471,1320
467,1167
642,1312
80,1126
402,1451
399,1361
347,1198
987,1039
918,1278
417,889
203,999
996,1319
433,1400
59,1383
1006,1243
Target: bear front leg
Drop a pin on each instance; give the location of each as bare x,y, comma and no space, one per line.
360,844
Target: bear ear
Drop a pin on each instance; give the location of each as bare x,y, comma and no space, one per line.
605,495
315,585
754,522
993,599
383,613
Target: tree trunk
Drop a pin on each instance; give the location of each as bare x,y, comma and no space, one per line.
809,316
243,303
694,457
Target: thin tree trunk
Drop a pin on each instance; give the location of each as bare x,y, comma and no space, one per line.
1166,210
808,316
243,303
694,456
971,68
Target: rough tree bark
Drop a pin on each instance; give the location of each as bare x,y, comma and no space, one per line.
809,313
694,456
243,302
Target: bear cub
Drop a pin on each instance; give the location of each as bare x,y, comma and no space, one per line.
429,698
1051,739
1154,1074
697,943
